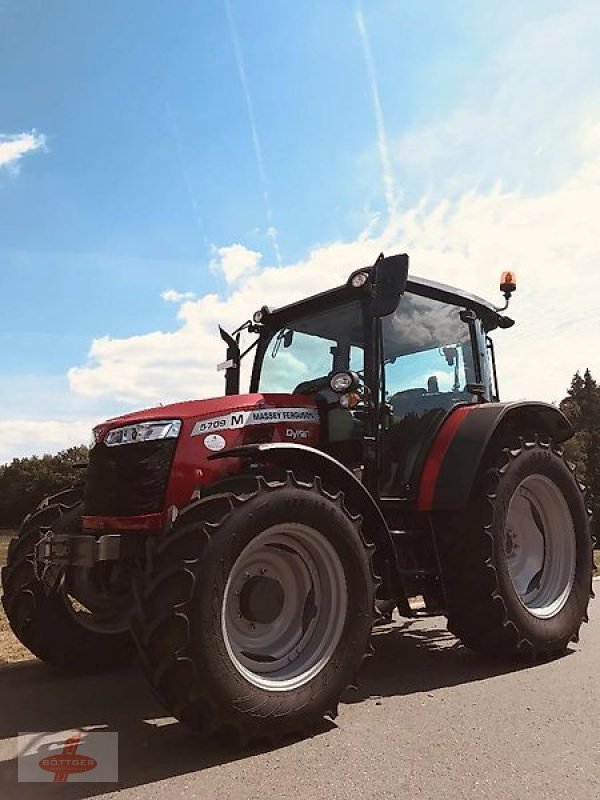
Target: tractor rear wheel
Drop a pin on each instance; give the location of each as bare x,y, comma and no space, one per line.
257,610
74,618
517,564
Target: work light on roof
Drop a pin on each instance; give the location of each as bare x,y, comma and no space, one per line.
359,279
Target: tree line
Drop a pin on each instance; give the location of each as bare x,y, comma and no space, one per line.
26,481
582,407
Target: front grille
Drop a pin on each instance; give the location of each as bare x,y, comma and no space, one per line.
128,480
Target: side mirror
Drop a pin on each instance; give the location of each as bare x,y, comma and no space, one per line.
391,275
450,355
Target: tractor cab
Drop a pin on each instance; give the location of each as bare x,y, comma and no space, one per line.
383,382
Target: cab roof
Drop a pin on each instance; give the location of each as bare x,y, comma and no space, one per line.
491,318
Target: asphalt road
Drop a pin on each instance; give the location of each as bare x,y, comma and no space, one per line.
431,720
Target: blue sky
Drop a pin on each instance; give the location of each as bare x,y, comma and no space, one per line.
241,151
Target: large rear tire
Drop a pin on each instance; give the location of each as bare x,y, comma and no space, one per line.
64,619
257,610
517,564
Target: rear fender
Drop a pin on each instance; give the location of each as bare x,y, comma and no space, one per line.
307,462
457,452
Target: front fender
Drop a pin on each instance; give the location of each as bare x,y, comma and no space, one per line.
456,454
304,460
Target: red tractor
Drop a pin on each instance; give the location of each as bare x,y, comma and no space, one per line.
246,545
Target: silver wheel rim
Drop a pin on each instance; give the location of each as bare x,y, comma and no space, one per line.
540,546
284,607
98,611
100,607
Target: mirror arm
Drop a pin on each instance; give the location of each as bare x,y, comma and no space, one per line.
232,370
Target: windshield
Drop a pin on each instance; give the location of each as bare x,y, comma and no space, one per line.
427,346
312,347
427,350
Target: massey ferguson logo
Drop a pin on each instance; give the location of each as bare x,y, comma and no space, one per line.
293,433
259,416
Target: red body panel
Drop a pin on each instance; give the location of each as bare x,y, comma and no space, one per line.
145,522
439,448
233,421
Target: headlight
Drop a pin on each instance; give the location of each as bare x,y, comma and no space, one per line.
143,432
342,382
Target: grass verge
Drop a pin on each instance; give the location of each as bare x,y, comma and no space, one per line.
5,537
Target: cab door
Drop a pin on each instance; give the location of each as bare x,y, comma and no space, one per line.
430,364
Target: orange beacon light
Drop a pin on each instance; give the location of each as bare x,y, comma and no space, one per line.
508,282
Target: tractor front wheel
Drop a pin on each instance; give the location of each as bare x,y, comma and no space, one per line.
517,564
72,618
257,609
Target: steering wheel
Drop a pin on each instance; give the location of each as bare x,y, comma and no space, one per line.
313,385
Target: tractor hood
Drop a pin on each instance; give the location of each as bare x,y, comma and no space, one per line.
281,407
134,479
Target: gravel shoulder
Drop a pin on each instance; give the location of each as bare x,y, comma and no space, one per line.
10,648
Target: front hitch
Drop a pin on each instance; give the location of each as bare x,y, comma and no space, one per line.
79,550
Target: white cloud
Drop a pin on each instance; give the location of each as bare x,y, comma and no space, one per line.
14,147
22,437
551,240
520,113
173,296
235,261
